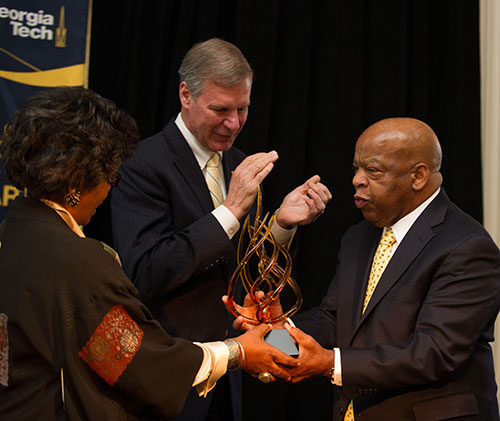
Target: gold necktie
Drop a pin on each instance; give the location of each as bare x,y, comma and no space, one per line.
349,414
382,257
380,261
212,177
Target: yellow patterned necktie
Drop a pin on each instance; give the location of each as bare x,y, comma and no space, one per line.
380,261
212,177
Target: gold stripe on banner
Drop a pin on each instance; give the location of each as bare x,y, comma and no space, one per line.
87,45
64,76
20,60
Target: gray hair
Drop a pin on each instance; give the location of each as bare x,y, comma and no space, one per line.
216,60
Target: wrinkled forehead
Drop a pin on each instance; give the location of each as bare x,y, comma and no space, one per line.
387,144
236,96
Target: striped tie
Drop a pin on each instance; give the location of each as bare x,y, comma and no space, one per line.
212,177
380,261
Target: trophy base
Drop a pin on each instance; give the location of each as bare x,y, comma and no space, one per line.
281,339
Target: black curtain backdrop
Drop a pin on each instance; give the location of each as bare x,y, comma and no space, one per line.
324,71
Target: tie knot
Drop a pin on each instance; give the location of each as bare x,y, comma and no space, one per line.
214,161
388,237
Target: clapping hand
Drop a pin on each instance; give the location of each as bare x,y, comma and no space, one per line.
245,182
304,204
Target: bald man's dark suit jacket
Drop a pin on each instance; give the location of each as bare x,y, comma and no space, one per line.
171,246
421,350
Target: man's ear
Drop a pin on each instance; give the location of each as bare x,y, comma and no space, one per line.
185,95
419,176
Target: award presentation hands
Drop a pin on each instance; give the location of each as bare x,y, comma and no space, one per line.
260,357
314,360
245,181
304,204
249,309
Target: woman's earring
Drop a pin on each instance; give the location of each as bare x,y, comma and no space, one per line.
72,198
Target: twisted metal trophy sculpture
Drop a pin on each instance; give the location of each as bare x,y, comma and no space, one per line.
263,266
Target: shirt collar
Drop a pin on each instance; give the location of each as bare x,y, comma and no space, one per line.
66,216
201,154
401,228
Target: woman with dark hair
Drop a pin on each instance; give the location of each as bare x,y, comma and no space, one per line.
75,340
66,142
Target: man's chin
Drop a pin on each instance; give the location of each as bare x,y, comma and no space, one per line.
369,216
222,145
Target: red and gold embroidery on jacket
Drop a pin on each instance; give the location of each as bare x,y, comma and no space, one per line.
113,344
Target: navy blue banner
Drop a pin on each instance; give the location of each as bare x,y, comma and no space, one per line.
43,44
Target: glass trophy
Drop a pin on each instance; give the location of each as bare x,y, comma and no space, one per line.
264,269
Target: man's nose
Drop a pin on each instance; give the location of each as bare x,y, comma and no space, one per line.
359,179
231,120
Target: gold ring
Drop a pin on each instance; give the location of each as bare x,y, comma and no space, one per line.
265,377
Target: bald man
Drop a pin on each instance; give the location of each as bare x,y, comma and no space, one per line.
415,344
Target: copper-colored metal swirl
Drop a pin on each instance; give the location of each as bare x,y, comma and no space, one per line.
262,255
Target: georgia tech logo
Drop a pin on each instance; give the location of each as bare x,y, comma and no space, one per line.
34,25
40,26
61,30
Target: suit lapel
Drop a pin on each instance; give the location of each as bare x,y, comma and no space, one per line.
366,253
188,167
415,240
228,165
